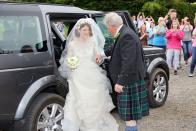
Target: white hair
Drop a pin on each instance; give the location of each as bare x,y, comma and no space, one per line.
160,19
112,19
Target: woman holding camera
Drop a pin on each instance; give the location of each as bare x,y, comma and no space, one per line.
187,39
174,37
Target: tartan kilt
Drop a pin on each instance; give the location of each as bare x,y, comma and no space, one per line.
133,101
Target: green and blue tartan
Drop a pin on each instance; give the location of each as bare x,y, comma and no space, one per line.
133,101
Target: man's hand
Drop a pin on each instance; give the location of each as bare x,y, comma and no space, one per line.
118,88
98,58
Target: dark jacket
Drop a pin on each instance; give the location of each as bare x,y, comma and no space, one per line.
127,61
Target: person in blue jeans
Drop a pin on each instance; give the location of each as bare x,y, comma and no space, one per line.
193,62
187,39
186,51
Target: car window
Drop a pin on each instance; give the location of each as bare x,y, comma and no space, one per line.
109,40
21,34
62,26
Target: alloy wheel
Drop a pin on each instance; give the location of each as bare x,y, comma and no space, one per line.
50,118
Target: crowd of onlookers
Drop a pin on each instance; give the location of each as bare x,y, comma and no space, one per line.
173,35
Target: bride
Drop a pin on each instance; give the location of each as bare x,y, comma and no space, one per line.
88,103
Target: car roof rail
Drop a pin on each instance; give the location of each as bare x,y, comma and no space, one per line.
32,3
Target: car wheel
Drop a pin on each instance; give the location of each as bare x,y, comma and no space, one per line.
45,113
158,88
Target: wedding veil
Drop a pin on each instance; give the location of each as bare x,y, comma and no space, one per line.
97,37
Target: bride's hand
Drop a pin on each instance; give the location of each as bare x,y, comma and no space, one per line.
118,88
98,58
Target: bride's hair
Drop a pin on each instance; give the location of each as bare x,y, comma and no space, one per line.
77,33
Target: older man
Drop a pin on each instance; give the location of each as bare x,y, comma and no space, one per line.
127,71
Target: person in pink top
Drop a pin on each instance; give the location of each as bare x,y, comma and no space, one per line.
174,37
193,62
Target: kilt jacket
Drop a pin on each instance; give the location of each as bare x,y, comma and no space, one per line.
127,63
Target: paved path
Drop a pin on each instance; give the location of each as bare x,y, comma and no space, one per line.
179,111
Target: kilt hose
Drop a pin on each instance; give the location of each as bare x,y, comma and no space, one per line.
133,101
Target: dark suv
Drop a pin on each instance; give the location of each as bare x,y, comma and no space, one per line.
32,93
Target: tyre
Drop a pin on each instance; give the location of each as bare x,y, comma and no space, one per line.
45,113
158,88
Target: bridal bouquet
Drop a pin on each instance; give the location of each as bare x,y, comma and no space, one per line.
73,62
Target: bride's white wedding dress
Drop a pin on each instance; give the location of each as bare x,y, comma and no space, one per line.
88,103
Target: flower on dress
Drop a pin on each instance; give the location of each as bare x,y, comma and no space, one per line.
73,62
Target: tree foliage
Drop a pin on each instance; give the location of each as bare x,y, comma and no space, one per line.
154,8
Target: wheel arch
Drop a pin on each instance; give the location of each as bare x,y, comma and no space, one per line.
158,63
47,84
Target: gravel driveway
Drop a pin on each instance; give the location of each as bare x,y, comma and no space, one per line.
179,111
